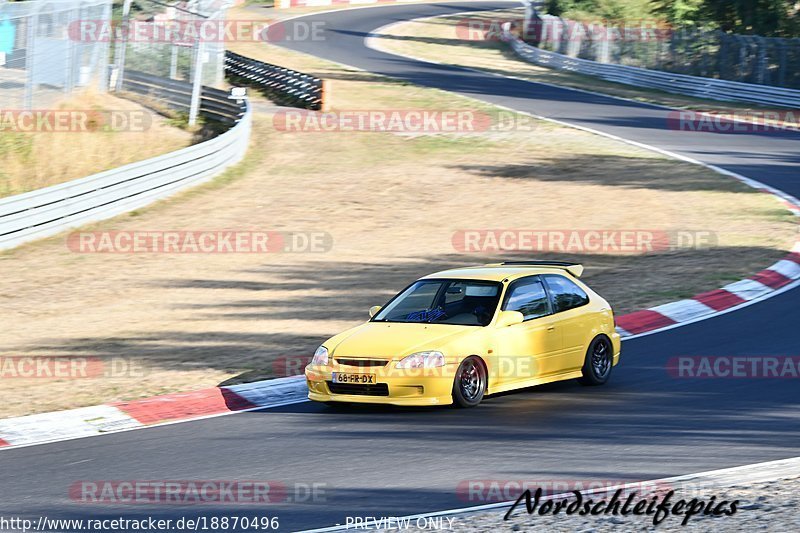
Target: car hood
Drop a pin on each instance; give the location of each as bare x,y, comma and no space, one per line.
394,340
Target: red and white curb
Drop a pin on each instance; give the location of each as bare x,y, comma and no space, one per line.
762,285
158,410
711,303
218,401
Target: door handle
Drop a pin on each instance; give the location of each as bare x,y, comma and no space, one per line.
551,328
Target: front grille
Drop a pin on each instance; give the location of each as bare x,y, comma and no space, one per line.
362,362
378,389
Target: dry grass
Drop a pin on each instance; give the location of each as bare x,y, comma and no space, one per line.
27,162
442,39
391,204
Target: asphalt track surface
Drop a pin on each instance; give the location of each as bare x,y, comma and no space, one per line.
643,424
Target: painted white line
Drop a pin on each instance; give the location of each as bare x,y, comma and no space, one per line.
738,475
644,103
409,3
372,41
626,335
378,34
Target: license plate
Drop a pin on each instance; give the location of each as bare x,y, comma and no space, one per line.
361,379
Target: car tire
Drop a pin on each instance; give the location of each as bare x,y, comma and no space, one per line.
469,385
598,363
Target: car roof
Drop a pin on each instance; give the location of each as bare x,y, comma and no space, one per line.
501,271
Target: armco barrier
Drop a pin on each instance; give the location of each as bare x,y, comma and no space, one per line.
215,104
43,212
710,88
282,84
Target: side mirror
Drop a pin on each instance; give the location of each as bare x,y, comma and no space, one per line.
509,318
374,310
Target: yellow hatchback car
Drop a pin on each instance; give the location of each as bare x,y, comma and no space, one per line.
455,336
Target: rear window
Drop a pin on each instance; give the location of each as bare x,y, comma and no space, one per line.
565,294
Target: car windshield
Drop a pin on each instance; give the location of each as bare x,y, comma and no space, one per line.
444,301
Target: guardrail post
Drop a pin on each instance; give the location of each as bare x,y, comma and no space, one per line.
530,12
173,62
104,47
72,62
122,47
712,88
30,43
197,83
325,98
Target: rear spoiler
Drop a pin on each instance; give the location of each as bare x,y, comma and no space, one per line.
573,268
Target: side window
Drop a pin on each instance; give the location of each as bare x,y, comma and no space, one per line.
528,297
565,294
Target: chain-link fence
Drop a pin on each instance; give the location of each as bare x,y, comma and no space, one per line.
48,48
40,61
712,54
182,42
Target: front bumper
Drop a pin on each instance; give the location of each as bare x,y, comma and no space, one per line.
409,387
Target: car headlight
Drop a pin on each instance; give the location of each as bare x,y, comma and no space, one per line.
422,360
320,357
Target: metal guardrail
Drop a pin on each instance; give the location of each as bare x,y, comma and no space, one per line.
215,104
696,86
285,85
43,212
687,50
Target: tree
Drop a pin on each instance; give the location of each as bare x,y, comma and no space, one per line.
757,17
771,18
618,10
679,12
